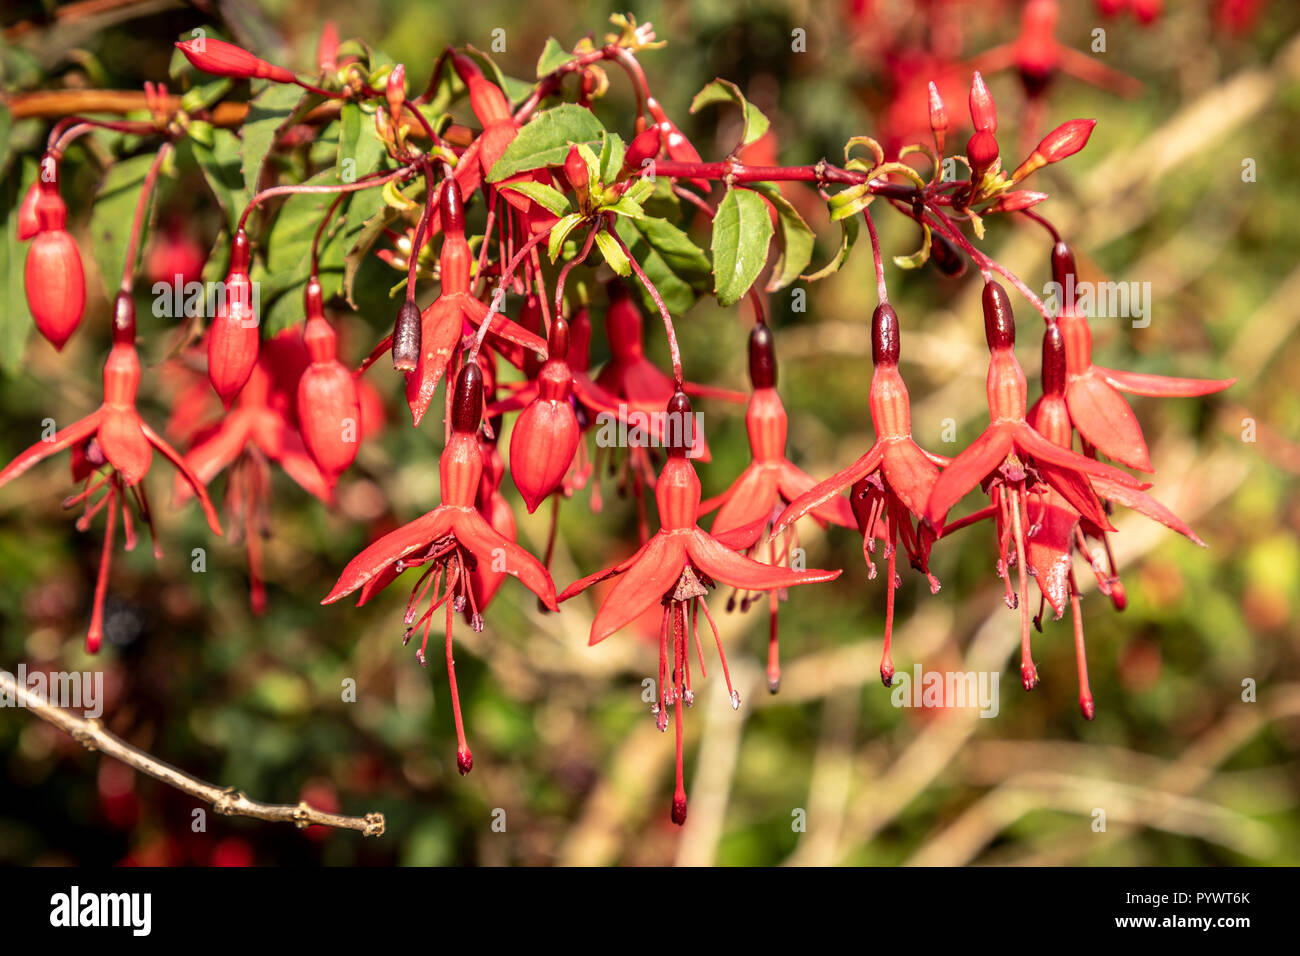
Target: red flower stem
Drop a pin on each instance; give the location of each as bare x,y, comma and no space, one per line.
987,264
673,349
822,173
404,172
1042,221
70,128
506,276
568,266
328,94
876,256
141,209
549,83
421,230
479,273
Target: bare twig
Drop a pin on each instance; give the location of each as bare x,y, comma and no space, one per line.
226,801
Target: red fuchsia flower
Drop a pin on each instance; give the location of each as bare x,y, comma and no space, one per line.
261,428
1056,529
1037,56
676,568
451,539
1010,458
113,437
486,578
982,147
225,59
445,321
766,486
1097,410
891,483
233,339
328,408
53,277
546,434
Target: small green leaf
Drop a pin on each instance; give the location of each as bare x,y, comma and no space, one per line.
554,56
796,238
626,206
724,91
918,258
560,232
613,253
612,152
742,230
548,196
268,112
220,165
546,140
848,236
847,203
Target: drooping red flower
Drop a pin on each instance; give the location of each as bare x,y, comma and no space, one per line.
234,338
891,483
113,437
1092,394
754,500
1009,458
676,568
451,539
329,410
546,434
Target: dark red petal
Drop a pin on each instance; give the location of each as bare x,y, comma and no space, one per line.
214,453
657,569
747,502
1163,386
1050,549
1144,503
795,483
580,585
967,470
728,567
910,474
504,328
1039,448
173,456
1075,489
490,546
824,491
69,436
440,332
1103,417
407,539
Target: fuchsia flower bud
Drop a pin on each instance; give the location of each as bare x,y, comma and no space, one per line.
395,91
938,117
328,410
233,339
545,438
1062,142
54,279
982,111
642,149
225,59
575,170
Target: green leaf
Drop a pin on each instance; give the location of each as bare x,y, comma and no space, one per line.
796,237
848,236
847,203
613,253
359,144
554,56
546,140
110,223
626,206
268,112
612,151
559,232
678,268
724,91
220,165
16,318
742,230
547,196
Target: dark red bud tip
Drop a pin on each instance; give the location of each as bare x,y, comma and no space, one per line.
762,357
239,252
679,809
465,67
999,321
467,404
557,342
616,290
464,761
1053,361
945,257
1028,676
123,319
884,335
1118,596
1062,264
406,337
982,151
452,207
887,674
679,425
313,301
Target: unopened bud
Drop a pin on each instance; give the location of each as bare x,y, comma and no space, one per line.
982,111
938,117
